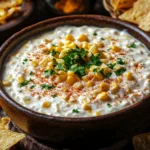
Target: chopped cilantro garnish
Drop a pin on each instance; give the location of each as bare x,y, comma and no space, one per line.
25,60
54,95
107,75
120,61
32,86
95,70
47,87
60,66
132,45
48,73
111,66
75,111
109,105
31,73
55,62
25,83
120,71
53,45
95,34
53,52
79,70
108,49
102,38
95,60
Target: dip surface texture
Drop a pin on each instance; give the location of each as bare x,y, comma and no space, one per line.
78,72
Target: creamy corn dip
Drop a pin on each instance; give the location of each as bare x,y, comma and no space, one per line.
78,72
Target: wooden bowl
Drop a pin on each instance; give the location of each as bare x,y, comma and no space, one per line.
59,129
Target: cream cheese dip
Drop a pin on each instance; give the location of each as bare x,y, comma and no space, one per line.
78,72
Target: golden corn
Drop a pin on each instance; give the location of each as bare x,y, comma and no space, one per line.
70,73
103,96
58,49
116,48
97,113
114,87
119,79
34,64
49,66
69,37
129,76
43,62
78,85
86,107
71,80
104,86
90,83
6,82
94,49
101,44
62,72
62,78
20,79
85,45
83,38
85,78
99,76
46,104
60,44
72,45
105,61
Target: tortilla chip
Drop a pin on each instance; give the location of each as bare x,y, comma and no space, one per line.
142,141
139,14
8,138
5,4
122,4
4,123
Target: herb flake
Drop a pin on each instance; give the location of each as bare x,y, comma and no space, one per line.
47,87
75,111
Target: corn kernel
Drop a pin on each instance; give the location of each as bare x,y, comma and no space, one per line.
62,78
103,96
62,72
6,82
85,45
46,104
20,79
114,87
119,79
116,48
62,54
9,77
60,60
101,44
70,73
94,49
58,49
105,61
69,37
78,85
60,44
90,83
34,64
72,45
49,66
86,107
85,78
71,80
83,38
99,76
27,100
129,76
104,86
97,113
105,55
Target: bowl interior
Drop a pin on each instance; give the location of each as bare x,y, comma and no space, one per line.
76,20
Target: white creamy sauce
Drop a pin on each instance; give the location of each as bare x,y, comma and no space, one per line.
26,83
